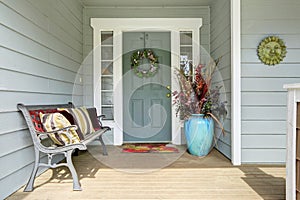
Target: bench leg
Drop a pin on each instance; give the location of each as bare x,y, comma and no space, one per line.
103,146
29,186
76,184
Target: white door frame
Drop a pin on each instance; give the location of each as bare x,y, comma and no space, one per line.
99,24
120,25
236,130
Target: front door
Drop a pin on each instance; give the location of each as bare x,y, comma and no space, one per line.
147,100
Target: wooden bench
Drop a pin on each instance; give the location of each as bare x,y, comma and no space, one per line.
39,139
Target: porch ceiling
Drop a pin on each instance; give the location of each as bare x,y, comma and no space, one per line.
143,3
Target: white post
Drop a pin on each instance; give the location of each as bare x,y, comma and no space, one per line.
236,82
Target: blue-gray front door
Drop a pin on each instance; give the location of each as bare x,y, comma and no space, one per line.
147,101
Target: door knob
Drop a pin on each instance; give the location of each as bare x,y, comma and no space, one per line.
168,87
168,95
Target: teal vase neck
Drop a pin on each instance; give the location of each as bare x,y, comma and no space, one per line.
197,115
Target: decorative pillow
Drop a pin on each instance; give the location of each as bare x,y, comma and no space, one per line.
93,116
82,119
72,121
35,117
55,121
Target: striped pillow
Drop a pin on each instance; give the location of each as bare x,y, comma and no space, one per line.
55,121
82,119
93,116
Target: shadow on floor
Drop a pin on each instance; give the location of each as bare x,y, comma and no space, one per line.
265,185
86,167
89,166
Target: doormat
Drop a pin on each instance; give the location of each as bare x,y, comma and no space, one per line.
149,148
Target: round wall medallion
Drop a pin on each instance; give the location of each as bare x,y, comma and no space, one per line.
271,50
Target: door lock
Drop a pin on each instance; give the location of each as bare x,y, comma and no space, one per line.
168,88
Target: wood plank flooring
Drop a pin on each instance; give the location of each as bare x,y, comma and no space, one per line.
189,177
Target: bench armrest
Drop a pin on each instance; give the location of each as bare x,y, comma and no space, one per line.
58,131
100,118
62,129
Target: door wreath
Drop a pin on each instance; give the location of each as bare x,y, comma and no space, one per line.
136,60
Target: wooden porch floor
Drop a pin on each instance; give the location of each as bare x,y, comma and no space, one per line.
189,177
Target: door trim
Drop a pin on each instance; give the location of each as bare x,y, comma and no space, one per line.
120,25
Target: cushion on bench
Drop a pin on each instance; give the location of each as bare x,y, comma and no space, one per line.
35,117
81,119
93,116
71,119
54,121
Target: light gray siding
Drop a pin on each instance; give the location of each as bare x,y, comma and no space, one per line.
40,55
263,98
220,40
131,12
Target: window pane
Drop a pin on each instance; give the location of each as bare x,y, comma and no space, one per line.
186,38
107,68
107,98
107,53
106,83
108,112
187,51
106,38
107,75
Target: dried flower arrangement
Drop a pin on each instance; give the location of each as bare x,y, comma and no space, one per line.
196,95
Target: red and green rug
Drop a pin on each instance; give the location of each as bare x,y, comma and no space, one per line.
149,148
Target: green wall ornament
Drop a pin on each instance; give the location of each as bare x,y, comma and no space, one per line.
271,50
137,59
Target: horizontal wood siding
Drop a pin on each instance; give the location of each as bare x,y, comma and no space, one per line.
263,96
40,57
131,12
220,40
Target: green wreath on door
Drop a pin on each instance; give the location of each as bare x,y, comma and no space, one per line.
137,58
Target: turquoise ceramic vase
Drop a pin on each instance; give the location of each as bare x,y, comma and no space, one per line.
199,133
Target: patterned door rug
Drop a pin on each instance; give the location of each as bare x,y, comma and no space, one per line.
149,148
